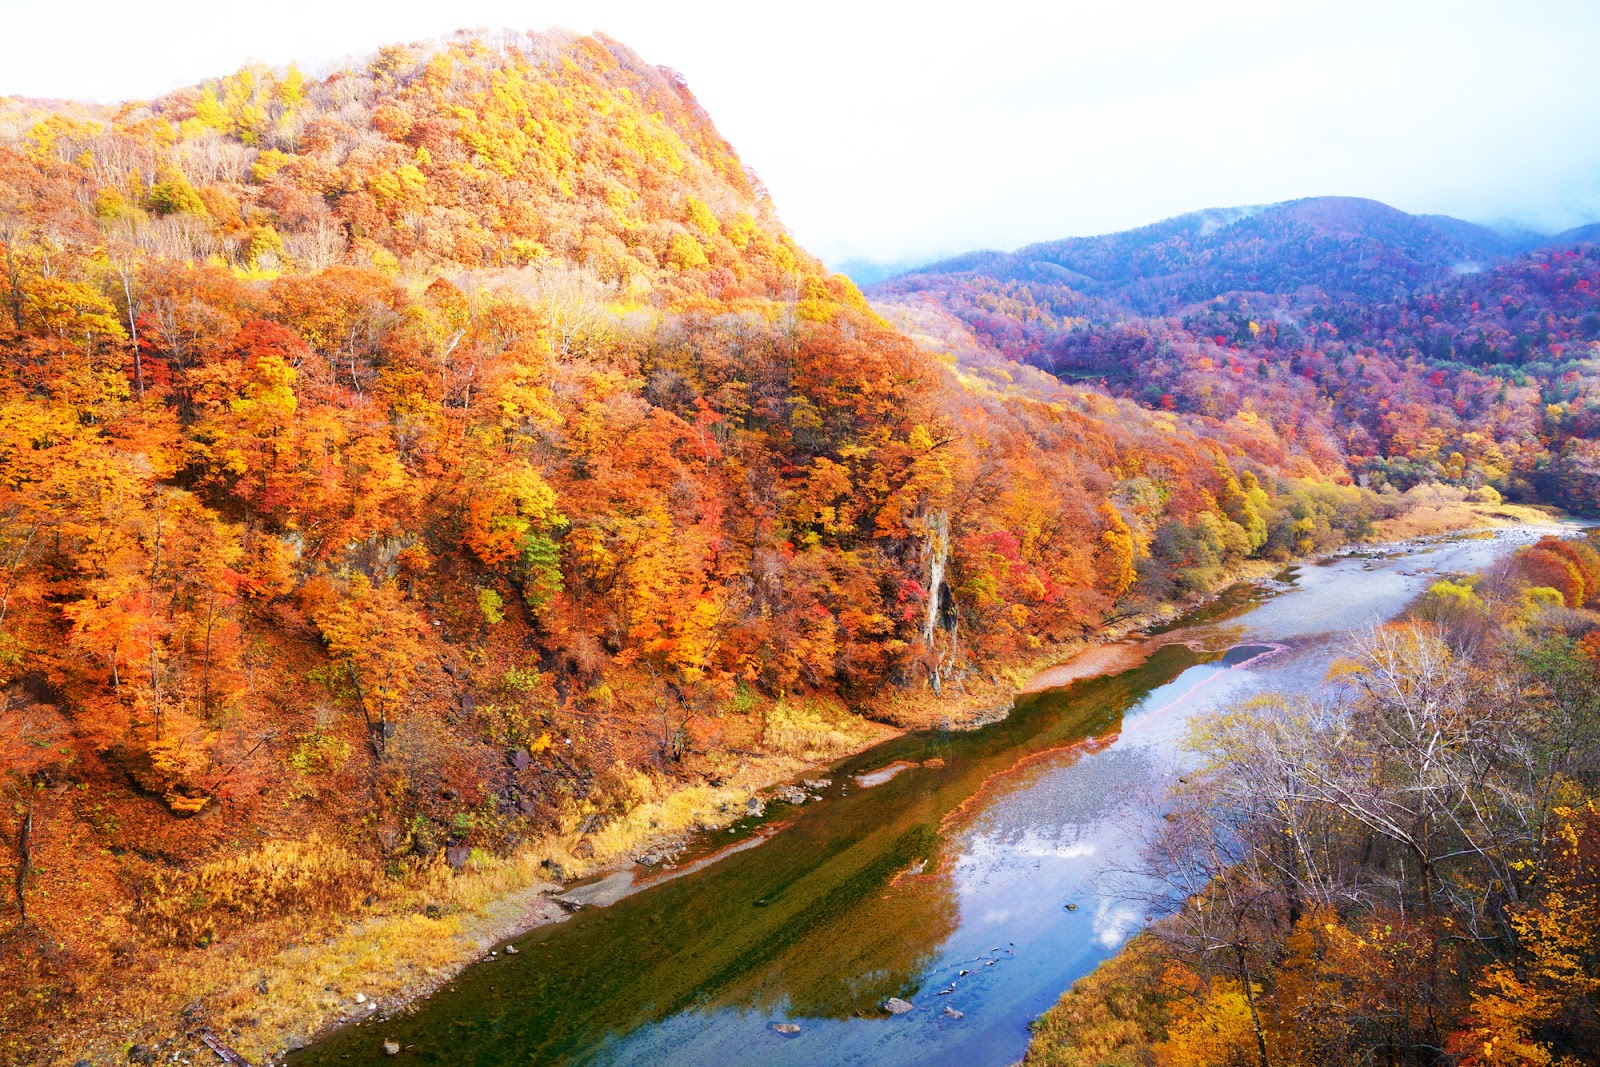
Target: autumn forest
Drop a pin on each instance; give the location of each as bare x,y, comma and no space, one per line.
449,468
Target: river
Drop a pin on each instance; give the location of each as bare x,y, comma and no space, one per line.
947,883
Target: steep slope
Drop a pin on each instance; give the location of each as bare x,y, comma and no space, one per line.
433,466
486,153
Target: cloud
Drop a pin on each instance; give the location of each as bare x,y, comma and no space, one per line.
1113,923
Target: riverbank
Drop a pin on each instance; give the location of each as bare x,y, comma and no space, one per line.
1334,987
280,984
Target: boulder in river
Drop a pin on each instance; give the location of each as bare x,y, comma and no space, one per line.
792,794
951,1013
896,1006
664,853
754,808
816,785
391,1048
786,1028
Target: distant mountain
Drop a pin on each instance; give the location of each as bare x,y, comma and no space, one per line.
1316,249
865,272
1431,349
1589,234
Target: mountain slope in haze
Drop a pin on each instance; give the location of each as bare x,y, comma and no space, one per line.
1424,370
1323,248
416,473
866,272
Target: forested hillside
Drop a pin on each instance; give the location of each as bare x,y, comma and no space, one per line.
1318,248
1403,867
1389,333
449,453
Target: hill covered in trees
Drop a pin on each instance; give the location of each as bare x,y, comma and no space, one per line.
1429,349
1320,248
430,466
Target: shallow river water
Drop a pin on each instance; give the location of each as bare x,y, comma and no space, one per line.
964,861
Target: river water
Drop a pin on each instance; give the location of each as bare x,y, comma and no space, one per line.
946,883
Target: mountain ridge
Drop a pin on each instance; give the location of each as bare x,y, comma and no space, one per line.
1348,304
1307,244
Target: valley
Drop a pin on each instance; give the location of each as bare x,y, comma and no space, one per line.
947,885
444,508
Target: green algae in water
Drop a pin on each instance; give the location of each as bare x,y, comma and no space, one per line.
840,926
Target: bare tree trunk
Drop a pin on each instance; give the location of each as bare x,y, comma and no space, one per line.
150,607
939,553
205,675
376,736
11,578
1250,999
8,237
125,272
25,856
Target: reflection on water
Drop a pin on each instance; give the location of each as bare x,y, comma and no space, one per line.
967,884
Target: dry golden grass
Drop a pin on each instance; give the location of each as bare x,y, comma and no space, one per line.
1110,1016
814,730
1430,519
195,907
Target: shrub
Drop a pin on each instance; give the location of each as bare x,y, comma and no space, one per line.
491,605
309,877
175,196
811,731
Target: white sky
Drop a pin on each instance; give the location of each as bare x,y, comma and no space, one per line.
904,131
